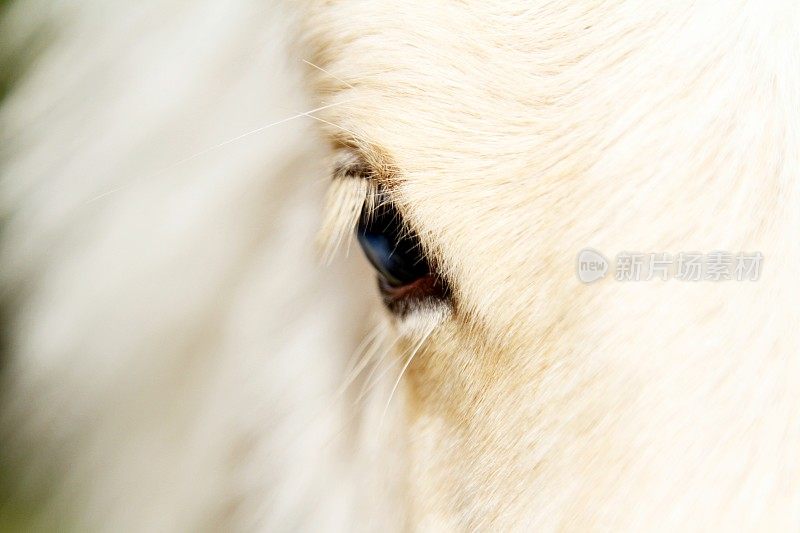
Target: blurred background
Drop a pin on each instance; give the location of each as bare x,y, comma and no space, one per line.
171,343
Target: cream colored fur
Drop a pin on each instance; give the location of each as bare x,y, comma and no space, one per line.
178,362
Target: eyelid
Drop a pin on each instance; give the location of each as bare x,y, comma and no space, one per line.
357,157
351,166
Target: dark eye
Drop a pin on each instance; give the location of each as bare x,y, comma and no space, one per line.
405,276
393,251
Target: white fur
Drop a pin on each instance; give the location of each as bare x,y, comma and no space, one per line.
514,134
177,359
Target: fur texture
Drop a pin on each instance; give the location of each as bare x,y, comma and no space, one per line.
519,134
177,361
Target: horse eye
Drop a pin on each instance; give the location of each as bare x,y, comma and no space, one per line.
394,251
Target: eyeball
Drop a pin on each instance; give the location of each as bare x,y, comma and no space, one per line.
394,251
407,280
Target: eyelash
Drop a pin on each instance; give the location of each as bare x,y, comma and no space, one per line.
347,195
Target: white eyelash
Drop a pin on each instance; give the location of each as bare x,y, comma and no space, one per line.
347,196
